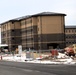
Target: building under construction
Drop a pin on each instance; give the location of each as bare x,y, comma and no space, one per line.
40,31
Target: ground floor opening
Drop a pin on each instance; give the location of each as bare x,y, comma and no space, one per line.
52,45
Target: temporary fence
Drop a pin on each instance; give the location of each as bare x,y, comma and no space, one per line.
39,53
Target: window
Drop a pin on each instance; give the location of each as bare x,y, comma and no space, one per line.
69,31
12,22
72,30
66,31
38,29
66,37
13,38
38,19
13,30
13,46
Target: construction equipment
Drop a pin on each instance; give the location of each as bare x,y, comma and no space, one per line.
70,52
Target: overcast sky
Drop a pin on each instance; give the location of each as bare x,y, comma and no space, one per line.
10,9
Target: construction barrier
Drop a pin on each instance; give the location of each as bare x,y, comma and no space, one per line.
54,52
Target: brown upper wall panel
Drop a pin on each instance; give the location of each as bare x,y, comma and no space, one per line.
6,26
51,24
34,20
10,25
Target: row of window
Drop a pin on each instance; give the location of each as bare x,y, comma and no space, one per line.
28,28
22,23
70,37
70,30
26,22
27,39
71,42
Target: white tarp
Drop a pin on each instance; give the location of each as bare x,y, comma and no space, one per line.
20,49
3,45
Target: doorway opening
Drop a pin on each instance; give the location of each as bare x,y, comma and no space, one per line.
52,45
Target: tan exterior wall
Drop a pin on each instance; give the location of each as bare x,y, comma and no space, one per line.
34,21
15,25
28,22
52,24
9,26
22,24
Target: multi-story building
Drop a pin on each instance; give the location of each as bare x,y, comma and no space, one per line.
70,35
40,31
11,34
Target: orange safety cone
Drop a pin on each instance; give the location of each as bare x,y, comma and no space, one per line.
40,57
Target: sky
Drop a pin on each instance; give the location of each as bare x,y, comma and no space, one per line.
10,9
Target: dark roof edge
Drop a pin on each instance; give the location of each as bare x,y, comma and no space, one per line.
49,15
70,26
9,21
44,14
35,15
